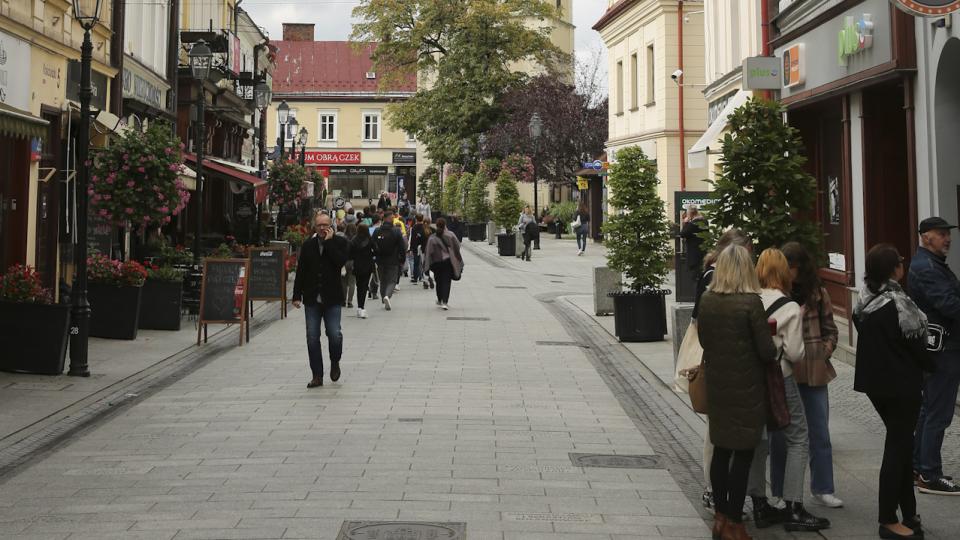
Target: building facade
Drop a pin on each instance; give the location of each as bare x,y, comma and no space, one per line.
332,91
656,86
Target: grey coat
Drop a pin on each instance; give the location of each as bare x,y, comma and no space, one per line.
736,346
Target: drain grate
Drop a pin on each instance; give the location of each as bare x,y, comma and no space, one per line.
614,461
563,344
414,530
468,318
409,419
556,281
508,287
555,275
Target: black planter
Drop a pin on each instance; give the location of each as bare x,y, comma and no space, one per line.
114,311
640,317
506,245
477,232
33,337
160,305
552,227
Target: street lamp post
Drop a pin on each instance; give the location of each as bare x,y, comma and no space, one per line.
87,13
536,129
292,123
262,94
303,146
200,60
283,115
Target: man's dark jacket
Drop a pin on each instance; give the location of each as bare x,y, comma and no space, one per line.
389,246
936,290
321,273
691,233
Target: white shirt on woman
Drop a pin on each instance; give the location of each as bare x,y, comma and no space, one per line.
789,337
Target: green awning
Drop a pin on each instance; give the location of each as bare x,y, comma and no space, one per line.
14,123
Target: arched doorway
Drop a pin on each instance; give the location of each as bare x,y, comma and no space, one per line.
947,128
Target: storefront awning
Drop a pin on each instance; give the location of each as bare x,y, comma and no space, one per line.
232,171
20,124
697,155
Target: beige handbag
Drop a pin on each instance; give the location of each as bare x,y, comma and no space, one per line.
688,357
698,389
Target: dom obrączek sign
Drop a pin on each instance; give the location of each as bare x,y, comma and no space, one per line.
928,8
313,157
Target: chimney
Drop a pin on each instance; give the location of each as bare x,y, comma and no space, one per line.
297,32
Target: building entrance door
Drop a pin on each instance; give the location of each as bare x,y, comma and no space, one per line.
14,179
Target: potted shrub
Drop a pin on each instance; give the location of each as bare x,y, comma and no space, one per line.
161,299
33,330
114,291
478,209
563,215
638,245
506,210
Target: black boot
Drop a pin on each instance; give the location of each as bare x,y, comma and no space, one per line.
796,518
765,515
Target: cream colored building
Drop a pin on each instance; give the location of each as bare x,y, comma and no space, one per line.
646,110
732,33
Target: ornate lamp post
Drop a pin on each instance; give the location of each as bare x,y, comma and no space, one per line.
262,95
283,115
303,146
292,123
536,129
201,59
87,13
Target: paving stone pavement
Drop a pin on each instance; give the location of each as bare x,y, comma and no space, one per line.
434,420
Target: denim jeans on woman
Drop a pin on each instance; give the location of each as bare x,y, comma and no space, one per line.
582,238
329,317
788,450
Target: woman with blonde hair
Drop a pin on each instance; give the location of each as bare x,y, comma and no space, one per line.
736,348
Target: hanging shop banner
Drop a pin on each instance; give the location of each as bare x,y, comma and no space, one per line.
928,8
314,157
14,72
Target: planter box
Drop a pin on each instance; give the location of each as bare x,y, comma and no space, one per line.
506,246
640,317
115,311
477,232
160,305
33,337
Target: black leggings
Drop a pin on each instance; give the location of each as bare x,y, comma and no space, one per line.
443,272
729,471
363,285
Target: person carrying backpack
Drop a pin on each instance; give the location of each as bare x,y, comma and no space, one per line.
391,250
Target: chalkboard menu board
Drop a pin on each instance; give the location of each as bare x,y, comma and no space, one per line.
268,276
223,294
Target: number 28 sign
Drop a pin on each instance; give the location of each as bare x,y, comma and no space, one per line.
928,8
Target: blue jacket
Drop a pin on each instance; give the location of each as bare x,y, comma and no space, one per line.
936,290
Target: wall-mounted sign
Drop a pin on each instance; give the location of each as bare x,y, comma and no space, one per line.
582,183
928,8
339,171
313,157
14,72
137,85
98,82
794,66
855,37
404,157
234,56
762,73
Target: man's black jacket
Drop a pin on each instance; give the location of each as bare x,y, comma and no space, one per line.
936,290
318,272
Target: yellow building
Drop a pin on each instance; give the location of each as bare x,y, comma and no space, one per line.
332,91
656,83
39,82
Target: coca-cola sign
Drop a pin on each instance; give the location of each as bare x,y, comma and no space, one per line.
313,157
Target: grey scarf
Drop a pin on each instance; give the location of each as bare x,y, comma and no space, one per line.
913,322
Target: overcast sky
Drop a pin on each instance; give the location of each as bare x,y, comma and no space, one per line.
333,21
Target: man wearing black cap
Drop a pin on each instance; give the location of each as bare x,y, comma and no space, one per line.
936,290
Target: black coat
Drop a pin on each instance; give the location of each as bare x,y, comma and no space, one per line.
888,364
936,290
389,246
690,233
318,273
361,253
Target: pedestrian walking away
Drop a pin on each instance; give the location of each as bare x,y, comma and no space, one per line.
427,275
737,346
581,227
526,224
361,253
936,290
348,278
416,242
891,358
444,260
318,290
813,373
390,249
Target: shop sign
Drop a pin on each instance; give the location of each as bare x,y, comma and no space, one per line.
334,171
855,37
761,73
404,157
928,8
794,66
138,87
313,157
14,70
98,81
582,183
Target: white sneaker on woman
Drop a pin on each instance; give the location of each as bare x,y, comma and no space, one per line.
444,307
362,313
828,500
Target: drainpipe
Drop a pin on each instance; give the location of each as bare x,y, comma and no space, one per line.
683,145
173,59
765,37
115,105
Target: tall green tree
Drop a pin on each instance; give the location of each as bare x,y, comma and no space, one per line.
477,207
465,54
763,188
429,188
638,235
507,204
452,193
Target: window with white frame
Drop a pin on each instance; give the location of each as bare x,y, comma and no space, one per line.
290,131
371,126
411,137
327,122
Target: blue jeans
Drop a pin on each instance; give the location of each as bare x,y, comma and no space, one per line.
788,451
816,403
936,413
582,238
330,317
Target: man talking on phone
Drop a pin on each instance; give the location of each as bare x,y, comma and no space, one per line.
317,288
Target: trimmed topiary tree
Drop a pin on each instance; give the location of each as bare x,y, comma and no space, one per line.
762,187
507,204
637,236
452,193
478,208
429,188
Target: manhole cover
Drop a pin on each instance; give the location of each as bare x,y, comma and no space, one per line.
409,419
508,287
563,344
468,318
401,530
614,461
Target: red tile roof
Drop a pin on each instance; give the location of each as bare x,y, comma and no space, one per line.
327,66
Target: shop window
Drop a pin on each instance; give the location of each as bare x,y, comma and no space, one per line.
290,130
371,126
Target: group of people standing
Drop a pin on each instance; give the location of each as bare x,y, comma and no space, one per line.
752,317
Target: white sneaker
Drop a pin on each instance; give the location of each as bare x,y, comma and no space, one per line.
386,303
579,253
444,307
778,503
362,313
828,500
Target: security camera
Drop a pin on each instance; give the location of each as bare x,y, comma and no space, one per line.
676,75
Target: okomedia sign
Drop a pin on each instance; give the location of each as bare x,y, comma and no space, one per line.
928,8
